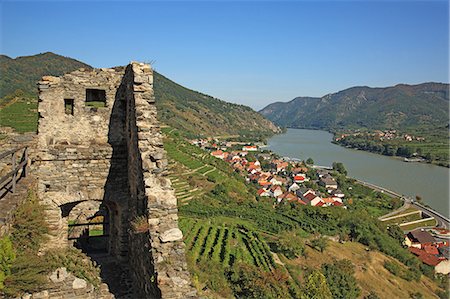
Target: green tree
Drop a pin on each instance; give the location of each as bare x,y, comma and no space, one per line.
429,157
248,281
319,243
372,295
339,167
389,150
396,232
309,161
316,287
290,245
341,280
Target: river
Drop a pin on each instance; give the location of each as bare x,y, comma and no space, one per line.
428,181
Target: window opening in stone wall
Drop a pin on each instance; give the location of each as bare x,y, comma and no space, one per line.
95,98
68,106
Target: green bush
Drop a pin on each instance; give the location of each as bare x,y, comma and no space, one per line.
290,245
341,279
398,270
75,262
249,281
29,269
7,257
29,226
319,244
316,287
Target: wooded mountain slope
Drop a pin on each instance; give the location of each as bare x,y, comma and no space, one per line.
23,73
198,113
398,107
189,111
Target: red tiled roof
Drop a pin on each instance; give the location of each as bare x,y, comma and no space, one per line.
426,258
430,249
261,191
290,196
301,202
299,178
273,188
310,196
328,200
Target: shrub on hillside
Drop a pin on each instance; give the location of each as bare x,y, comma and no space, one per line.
341,279
249,281
290,245
7,256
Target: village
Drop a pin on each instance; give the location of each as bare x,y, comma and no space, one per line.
278,178
381,135
294,181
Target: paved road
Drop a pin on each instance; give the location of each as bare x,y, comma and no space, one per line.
442,221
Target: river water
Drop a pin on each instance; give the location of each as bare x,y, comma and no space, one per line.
428,181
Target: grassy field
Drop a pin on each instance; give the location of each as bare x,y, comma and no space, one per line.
20,114
428,223
403,217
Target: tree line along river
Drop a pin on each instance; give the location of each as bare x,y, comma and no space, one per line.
425,180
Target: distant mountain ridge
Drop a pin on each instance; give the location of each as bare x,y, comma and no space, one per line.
396,107
189,111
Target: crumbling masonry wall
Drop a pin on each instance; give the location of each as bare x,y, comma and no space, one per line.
113,157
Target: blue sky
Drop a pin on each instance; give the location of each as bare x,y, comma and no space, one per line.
249,52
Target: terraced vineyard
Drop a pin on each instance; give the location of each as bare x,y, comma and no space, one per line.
225,245
194,172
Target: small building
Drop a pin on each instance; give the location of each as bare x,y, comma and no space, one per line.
300,178
264,193
277,181
440,264
294,187
249,148
328,182
419,238
276,191
312,199
337,193
218,154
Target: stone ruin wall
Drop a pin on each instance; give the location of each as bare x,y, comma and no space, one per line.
113,156
75,151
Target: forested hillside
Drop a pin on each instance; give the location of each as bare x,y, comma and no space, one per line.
20,75
200,114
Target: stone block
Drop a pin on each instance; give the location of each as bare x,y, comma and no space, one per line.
79,283
171,235
41,295
59,275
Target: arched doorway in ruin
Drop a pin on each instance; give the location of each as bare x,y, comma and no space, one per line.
88,225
